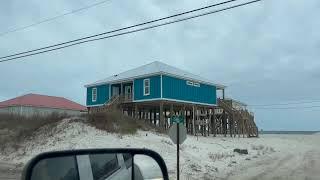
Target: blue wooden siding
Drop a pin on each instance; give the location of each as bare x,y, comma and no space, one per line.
155,88
174,88
102,95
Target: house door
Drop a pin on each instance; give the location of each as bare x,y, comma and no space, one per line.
115,91
128,92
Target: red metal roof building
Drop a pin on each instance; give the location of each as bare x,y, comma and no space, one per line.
40,104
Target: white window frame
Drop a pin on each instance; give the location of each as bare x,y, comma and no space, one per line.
189,83
144,87
94,99
196,84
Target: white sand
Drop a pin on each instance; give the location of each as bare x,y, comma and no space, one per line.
269,156
297,158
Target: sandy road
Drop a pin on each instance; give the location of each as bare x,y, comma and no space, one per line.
9,171
292,166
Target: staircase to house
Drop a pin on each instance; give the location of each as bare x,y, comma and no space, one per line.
242,121
114,102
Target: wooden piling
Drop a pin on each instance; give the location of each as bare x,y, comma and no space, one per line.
161,118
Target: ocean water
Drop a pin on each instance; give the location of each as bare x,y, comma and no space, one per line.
289,132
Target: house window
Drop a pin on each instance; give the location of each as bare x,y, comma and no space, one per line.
190,83
146,87
196,84
94,94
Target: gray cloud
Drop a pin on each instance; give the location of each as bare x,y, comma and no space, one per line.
267,52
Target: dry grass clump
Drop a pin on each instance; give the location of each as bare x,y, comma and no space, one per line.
16,128
219,156
115,122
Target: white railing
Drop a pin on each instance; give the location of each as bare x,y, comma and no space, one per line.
112,100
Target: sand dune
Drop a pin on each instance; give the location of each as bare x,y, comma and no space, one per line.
270,156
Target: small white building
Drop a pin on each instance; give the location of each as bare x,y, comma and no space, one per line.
35,104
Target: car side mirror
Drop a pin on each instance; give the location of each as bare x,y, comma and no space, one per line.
97,164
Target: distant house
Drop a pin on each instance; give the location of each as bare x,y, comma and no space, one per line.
35,104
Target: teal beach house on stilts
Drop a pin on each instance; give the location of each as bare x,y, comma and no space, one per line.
156,91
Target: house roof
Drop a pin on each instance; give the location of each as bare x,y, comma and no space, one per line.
36,100
155,67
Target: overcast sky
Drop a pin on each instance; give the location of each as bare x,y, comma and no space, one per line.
266,53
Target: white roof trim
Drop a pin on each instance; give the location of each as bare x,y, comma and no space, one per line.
175,100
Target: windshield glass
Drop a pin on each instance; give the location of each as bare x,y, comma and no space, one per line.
223,89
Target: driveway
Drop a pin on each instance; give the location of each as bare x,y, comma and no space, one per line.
302,166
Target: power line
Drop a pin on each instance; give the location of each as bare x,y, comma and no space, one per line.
123,33
282,104
296,107
120,29
53,18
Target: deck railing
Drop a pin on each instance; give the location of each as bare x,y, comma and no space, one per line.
112,100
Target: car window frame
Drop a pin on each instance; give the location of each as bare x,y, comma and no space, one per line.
74,163
127,161
110,173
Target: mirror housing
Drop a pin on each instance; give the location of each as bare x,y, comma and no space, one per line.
47,156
